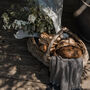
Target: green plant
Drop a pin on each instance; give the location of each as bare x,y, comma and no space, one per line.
29,18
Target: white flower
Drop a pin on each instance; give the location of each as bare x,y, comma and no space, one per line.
19,23
31,18
26,8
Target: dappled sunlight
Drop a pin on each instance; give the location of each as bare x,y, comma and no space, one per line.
18,68
12,70
5,46
14,76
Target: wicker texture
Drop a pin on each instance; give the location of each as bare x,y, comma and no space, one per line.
45,57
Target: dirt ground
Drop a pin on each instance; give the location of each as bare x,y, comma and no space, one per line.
19,70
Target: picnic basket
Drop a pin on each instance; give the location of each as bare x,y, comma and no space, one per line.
45,57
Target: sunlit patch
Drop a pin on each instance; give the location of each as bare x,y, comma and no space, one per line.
12,70
5,46
0,37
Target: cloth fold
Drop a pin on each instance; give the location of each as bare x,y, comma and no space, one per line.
53,8
65,74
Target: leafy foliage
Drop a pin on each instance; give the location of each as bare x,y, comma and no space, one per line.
29,17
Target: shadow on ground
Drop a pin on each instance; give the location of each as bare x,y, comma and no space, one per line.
19,70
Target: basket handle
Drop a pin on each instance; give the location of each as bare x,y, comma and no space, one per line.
87,3
82,8
53,39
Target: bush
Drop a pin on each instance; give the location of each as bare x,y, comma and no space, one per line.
27,17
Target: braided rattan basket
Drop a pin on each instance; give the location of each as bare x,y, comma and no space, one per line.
45,57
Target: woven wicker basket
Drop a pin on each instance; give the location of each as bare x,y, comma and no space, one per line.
45,57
